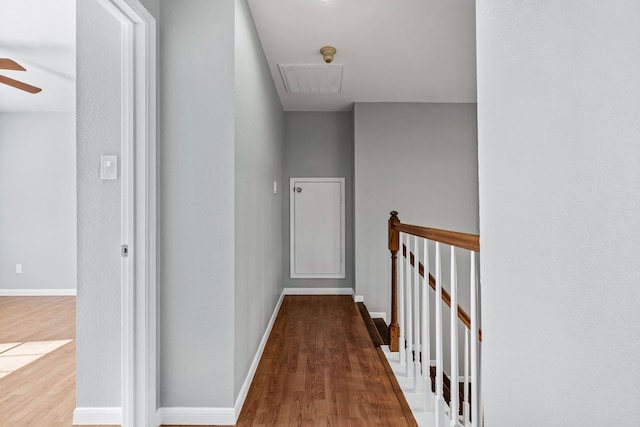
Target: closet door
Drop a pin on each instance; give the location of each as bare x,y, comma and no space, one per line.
317,227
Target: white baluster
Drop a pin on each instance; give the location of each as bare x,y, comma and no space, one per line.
401,267
408,308
465,406
426,345
475,356
417,381
440,402
454,402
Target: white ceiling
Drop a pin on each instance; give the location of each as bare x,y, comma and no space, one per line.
41,36
392,50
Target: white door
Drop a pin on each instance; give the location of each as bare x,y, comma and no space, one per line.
317,227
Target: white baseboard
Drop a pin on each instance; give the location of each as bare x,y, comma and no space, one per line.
197,416
256,360
356,298
37,292
97,416
317,291
379,314
220,416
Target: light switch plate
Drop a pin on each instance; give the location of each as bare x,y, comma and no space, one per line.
275,187
108,167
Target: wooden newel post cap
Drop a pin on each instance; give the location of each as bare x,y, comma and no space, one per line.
394,237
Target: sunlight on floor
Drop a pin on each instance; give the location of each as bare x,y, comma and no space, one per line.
14,356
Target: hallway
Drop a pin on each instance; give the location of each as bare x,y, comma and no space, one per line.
320,367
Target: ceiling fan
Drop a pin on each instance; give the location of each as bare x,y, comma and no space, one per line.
9,64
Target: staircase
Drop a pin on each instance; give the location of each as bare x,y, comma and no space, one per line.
432,339
379,333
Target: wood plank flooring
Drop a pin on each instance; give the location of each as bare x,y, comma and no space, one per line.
43,393
320,368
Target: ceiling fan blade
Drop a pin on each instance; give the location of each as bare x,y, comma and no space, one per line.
10,64
19,85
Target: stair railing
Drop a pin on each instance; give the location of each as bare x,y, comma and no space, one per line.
411,320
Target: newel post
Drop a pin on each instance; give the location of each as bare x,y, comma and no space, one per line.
394,246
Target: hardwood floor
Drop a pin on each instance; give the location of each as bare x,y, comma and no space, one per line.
43,393
320,368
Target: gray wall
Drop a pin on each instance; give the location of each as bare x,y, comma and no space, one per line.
196,192
559,163
202,151
38,200
418,159
98,204
153,7
319,145
258,212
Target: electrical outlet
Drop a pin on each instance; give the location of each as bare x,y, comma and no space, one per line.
18,268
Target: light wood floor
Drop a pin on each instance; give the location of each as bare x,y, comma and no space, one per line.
43,393
320,368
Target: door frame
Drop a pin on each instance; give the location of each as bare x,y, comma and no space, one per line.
342,274
138,215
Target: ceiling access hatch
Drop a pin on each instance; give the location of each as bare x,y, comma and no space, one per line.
321,79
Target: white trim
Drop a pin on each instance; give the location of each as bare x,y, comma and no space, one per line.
317,291
197,416
97,416
356,298
37,292
138,118
292,251
378,315
220,416
256,360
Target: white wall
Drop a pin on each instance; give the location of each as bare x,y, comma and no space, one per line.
98,204
559,167
37,200
418,159
258,212
319,145
196,203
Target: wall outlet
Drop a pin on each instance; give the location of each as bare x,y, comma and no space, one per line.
18,268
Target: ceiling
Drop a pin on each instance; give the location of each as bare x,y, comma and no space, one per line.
392,50
41,36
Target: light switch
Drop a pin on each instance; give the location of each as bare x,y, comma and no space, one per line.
108,167
275,187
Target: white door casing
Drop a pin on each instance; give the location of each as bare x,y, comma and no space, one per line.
317,224
138,215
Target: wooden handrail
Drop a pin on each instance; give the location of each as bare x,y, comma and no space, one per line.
460,240
446,297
